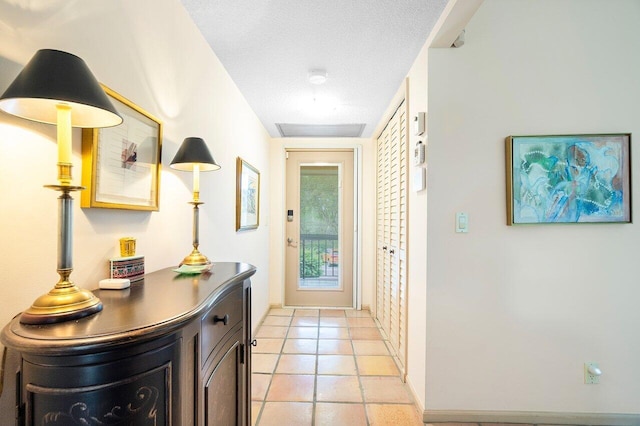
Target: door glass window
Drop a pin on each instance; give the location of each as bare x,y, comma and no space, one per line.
319,227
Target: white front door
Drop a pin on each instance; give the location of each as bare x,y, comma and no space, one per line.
319,228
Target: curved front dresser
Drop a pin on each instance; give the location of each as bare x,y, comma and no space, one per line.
170,350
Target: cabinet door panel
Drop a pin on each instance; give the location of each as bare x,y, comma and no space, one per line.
140,401
138,390
223,389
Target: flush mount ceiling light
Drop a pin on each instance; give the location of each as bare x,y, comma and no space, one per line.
317,76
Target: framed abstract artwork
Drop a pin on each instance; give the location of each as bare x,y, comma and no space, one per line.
121,164
247,195
568,179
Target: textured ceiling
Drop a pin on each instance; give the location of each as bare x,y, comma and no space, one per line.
268,47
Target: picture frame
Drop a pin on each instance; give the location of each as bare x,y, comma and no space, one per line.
568,179
247,196
121,164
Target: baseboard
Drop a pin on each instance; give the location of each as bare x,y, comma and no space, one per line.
259,323
531,417
416,400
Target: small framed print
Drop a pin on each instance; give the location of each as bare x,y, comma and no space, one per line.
247,195
121,164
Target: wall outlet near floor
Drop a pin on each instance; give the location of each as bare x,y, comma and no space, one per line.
591,373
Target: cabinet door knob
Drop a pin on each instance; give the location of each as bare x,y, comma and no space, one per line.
224,320
254,342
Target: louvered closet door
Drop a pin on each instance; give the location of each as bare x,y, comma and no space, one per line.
382,209
392,232
394,198
401,253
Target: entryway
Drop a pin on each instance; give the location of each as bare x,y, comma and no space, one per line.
319,230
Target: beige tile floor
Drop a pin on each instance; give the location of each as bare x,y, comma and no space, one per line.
326,367
329,367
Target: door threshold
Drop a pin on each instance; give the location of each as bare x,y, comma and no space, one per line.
347,308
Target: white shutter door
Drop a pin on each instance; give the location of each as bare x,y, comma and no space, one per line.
401,349
386,214
382,189
394,228
391,228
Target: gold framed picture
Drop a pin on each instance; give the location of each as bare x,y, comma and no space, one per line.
247,195
121,164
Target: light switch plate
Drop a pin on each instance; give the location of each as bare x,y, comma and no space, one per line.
462,223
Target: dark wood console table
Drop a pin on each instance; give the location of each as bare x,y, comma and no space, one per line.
171,350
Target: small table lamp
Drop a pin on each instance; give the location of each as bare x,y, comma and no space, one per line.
194,156
58,88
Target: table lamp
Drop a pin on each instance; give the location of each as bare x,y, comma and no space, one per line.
57,87
193,155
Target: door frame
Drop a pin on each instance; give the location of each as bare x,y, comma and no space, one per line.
357,211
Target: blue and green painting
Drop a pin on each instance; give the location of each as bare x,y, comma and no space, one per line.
571,179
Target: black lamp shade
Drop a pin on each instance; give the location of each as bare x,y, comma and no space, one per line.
54,77
193,151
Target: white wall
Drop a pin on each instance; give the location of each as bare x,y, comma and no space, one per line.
278,216
514,312
417,239
152,53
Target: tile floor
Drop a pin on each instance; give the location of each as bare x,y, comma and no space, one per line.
329,367
326,367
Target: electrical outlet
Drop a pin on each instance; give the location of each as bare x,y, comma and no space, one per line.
591,373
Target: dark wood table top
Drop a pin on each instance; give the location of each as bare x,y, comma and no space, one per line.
160,303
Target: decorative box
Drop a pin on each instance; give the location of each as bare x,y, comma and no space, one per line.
131,267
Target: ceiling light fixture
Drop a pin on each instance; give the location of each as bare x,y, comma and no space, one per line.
317,76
